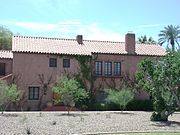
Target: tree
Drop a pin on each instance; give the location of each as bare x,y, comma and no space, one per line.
8,94
145,40
170,34
121,97
5,38
161,78
70,91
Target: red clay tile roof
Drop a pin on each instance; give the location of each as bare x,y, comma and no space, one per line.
71,47
6,54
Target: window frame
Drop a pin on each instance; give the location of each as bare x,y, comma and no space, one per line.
108,74
101,68
33,88
116,69
51,64
68,61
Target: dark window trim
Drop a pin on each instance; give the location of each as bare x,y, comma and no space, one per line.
64,65
52,64
115,69
101,68
107,68
33,88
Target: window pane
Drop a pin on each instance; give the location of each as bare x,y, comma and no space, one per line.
108,68
98,67
2,68
33,93
52,62
117,68
66,63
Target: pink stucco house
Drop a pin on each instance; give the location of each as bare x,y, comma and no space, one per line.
39,61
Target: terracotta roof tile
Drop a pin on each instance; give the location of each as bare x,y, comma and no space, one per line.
6,54
71,47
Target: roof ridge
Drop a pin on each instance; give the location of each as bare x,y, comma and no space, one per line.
105,41
51,38
147,44
38,37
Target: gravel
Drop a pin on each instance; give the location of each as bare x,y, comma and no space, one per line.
59,123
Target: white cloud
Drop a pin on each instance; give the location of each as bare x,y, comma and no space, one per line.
89,31
75,23
36,26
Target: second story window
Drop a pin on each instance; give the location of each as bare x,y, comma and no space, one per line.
98,67
117,68
2,69
108,68
66,63
52,62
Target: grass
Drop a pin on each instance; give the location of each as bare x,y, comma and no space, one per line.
152,133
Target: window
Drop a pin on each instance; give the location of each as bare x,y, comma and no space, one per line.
52,62
117,68
98,67
108,68
66,63
2,68
33,93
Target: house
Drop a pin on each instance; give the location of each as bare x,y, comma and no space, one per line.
6,61
39,61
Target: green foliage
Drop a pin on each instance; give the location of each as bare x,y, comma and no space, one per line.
170,34
161,78
5,38
121,97
8,94
145,40
85,66
70,91
13,95
140,105
3,90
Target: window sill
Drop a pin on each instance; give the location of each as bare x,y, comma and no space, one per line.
102,76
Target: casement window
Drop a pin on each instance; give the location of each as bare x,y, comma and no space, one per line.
33,93
66,63
117,68
108,68
2,69
52,62
98,67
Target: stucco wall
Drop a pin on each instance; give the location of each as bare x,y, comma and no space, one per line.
8,64
28,66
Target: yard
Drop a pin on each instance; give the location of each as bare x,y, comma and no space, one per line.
152,133
59,123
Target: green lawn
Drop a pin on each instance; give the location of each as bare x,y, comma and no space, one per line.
153,133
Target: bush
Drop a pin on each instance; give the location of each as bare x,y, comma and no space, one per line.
120,97
140,105
70,92
8,94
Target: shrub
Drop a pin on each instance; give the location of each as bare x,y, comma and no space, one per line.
8,94
70,91
140,105
121,97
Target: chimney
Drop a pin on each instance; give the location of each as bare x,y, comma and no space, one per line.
79,39
130,43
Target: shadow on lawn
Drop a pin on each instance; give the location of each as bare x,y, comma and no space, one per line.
9,115
72,114
168,123
124,113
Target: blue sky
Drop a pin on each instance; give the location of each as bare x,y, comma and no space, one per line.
94,19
